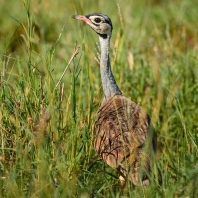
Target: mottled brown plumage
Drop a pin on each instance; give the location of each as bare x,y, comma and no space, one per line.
125,138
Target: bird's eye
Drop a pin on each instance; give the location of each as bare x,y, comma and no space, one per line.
97,20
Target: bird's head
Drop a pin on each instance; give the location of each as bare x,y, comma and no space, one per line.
99,22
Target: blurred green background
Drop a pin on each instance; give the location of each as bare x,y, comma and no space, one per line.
46,134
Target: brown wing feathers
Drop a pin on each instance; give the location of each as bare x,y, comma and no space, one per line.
121,129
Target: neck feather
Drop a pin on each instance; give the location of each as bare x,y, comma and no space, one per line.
109,84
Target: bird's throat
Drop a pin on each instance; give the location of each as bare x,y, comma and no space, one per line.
108,81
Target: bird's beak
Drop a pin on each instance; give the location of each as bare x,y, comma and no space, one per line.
81,17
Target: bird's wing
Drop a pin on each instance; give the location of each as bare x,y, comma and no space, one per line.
121,128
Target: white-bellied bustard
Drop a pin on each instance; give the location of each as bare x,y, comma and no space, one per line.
124,136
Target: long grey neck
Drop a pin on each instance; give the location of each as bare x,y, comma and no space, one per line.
109,84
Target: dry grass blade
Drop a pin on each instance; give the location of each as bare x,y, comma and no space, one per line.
72,57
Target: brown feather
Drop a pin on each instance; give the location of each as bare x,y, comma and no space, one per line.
125,138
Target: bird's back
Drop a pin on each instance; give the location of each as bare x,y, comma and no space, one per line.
124,137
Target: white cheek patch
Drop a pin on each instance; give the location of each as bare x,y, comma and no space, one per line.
105,29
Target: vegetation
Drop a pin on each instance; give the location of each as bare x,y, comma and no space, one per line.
46,134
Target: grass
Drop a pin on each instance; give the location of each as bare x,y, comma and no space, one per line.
46,135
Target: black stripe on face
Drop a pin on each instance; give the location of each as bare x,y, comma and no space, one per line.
104,36
96,24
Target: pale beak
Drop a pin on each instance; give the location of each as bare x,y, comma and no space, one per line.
81,17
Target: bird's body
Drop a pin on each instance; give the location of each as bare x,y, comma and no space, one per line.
124,136
121,131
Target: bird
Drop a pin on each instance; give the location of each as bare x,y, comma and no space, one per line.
124,136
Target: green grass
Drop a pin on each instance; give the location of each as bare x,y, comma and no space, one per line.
46,135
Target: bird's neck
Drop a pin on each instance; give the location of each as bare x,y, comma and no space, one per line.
109,84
